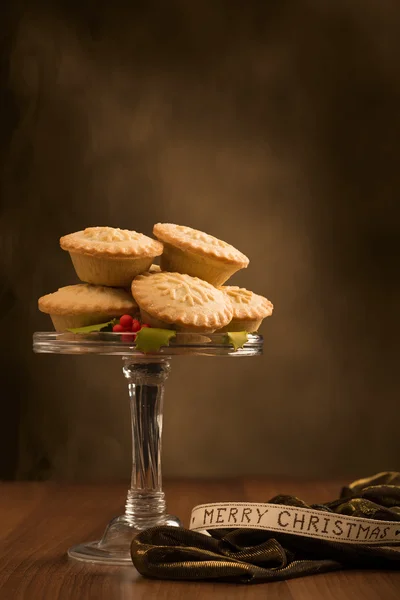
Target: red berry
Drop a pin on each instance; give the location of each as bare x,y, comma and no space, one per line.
135,325
126,322
129,337
118,329
145,325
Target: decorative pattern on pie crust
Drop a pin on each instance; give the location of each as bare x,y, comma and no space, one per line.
84,298
183,300
111,243
246,304
199,242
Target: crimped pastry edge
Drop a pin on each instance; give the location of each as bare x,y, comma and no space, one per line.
262,311
212,321
236,257
72,243
46,304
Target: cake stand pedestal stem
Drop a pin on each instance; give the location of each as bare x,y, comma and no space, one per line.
145,502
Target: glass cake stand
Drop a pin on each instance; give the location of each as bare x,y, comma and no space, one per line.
146,375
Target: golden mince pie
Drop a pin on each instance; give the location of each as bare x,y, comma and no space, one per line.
108,256
198,254
181,302
80,305
249,309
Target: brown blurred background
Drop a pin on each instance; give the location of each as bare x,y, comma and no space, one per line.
273,125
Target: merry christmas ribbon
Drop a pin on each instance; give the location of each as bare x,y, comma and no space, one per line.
305,522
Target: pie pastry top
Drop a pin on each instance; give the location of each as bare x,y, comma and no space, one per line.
86,298
183,300
111,243
199,242
246,304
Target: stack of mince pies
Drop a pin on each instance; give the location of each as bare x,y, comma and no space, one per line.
185,292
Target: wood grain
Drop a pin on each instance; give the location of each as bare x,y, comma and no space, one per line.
39,521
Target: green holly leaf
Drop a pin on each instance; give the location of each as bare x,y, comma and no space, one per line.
151,339
237,338
98,327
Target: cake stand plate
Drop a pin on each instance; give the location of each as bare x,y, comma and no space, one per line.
146,375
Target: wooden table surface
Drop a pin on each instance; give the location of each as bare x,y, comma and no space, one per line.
39,521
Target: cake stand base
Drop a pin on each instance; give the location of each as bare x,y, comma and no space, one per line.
115,546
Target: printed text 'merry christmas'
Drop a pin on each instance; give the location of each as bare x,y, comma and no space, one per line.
288,519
